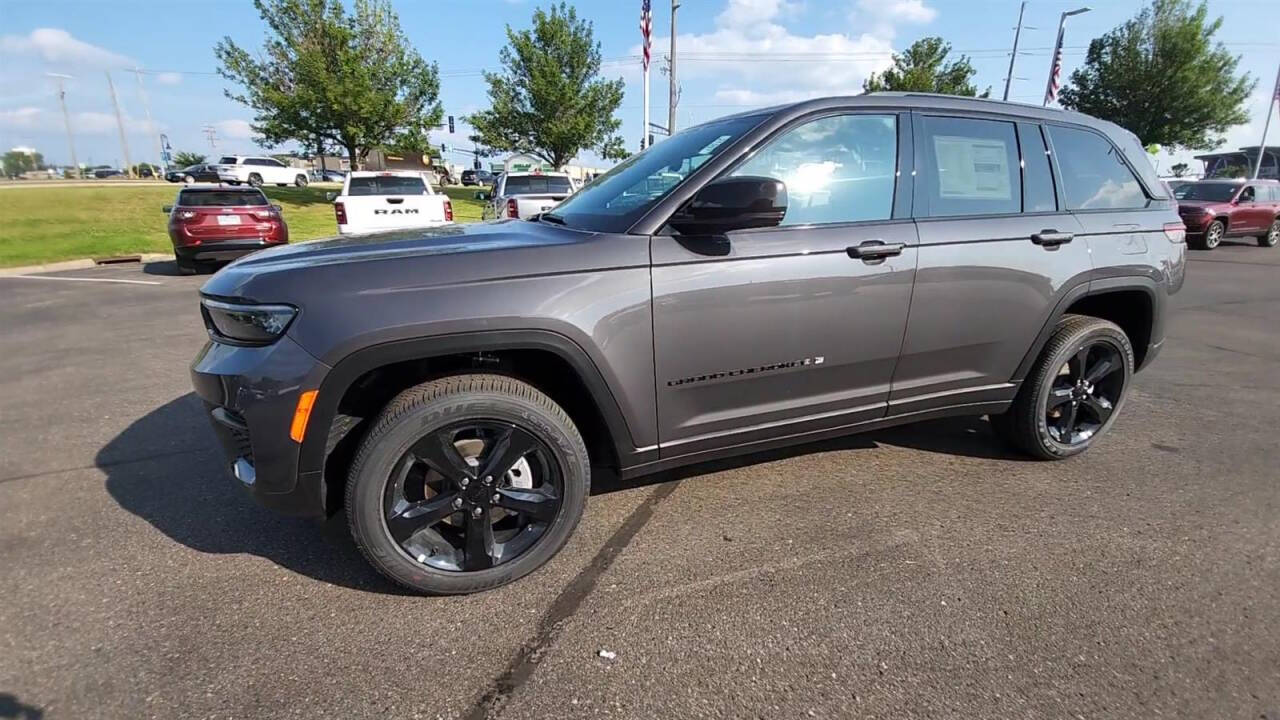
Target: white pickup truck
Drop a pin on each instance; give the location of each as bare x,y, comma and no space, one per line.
523,195
375,201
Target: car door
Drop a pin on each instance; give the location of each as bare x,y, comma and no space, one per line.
1252,209
996,251
772,332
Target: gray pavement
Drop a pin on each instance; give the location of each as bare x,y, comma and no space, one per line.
918,572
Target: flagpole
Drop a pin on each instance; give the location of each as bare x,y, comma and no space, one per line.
644,129
646,31
1271,105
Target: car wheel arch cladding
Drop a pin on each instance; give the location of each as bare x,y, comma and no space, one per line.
1083,289
344,373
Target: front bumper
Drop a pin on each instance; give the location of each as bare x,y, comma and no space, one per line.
251,394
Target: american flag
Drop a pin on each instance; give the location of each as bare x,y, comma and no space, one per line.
646,29
1055,75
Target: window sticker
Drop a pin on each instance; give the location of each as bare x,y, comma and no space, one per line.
972,168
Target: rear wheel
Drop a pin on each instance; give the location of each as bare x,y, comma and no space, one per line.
187,267
300,181
255,179
1073,392
1272,235
466,483
188,179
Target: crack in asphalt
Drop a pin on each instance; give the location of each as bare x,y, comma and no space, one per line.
526,659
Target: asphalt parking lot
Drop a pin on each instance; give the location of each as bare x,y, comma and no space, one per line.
919,572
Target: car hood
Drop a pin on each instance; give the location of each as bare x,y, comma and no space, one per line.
424,256
1202,205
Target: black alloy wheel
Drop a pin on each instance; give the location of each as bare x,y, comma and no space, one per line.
472,495
1085,393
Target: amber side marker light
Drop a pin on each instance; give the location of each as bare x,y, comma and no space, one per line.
302,414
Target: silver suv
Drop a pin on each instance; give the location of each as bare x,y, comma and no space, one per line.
770,278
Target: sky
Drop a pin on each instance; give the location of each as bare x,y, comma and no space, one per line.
732,55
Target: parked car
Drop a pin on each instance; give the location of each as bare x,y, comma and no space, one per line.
454,387
1217,209
328,176
107,173
210,224
476,177
523,195
392,200
258,171
193,174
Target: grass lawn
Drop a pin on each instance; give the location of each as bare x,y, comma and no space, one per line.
49,223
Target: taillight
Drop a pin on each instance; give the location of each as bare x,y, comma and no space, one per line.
340,211
448,211
186,214
513,210
1176,232
268,214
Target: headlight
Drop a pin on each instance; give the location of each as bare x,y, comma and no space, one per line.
249,324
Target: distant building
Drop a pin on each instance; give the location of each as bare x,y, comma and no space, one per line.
1217,164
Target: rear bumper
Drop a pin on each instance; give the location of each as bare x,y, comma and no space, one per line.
251,394
221,250
362,230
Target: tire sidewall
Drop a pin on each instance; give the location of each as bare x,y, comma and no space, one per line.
1269,238
1086,336
300,181
1210,242
375,465
255,180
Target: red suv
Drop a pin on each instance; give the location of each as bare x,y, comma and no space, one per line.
1217,209
215,224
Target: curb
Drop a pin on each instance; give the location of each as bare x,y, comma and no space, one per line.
82,264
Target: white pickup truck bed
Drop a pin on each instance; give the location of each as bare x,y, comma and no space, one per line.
376,201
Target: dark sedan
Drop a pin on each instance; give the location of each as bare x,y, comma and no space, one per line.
193,174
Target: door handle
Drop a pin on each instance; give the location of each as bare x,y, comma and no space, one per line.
1051,238
395,201
874,250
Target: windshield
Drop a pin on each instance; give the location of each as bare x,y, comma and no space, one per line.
227,160
617,199
537,184
392,185
1214,192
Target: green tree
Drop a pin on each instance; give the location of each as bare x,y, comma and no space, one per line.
1161,76
614,149
1179,169
349,78
187,159
548,100
923,67
17,162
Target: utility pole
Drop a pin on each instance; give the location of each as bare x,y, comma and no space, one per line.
151,128
212,134
1014,55
673,93
124,143
1271,105
66,119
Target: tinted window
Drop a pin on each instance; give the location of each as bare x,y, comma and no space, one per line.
389,185
227,160
1213,192
971,167
615,201
1037,179
221,198
837,169
537,184
1094,175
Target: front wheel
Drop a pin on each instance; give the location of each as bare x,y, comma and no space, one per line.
466,483
1073,392
188,179
1212,236
1272,235
255,180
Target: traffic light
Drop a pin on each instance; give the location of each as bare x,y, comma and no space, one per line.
476,164
450,124
444,148
650,140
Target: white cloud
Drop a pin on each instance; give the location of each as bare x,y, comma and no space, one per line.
883,16
59,47
169,78
23,118
234,129
86,123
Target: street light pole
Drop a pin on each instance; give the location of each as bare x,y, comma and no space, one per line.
1055,62
1014,55
673,94
66,119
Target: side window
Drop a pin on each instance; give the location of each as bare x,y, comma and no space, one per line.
971,167
272,162
252,161
837,169
1248,195
1037,178
1094,176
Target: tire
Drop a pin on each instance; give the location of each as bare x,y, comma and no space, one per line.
188,179
187,268
255,180
1089,409
1212,237
1272,235
424,417
300,181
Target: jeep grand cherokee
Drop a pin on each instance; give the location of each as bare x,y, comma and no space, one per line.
773,277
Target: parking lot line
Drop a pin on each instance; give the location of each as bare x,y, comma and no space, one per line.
84,279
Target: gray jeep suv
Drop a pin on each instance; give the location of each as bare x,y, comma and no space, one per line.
774,277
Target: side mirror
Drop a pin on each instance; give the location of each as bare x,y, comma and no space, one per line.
482,195
330,196
733,203
167,209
